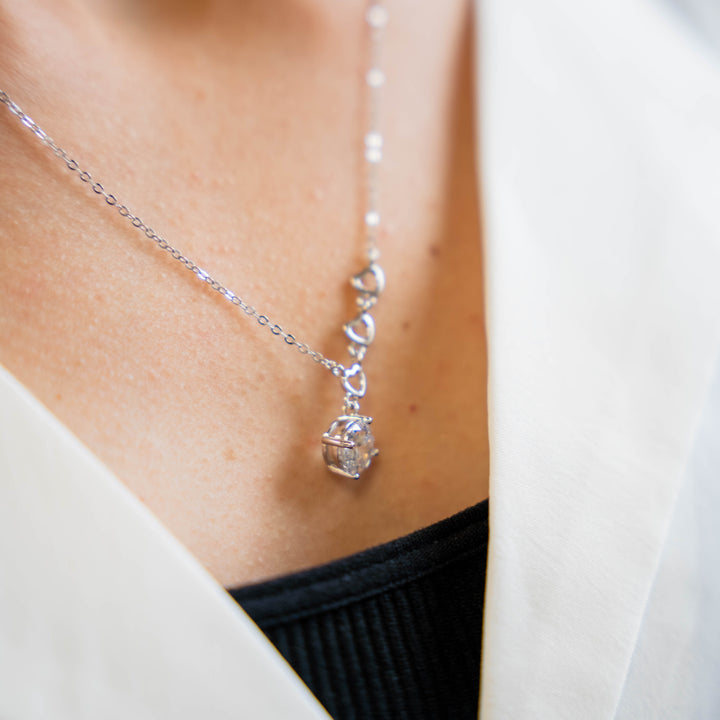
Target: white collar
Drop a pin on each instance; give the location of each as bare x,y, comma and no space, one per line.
600,155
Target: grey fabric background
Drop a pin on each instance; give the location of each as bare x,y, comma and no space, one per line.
702,17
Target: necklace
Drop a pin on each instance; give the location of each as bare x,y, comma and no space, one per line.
348,446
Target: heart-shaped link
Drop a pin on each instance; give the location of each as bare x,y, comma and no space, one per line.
361,330
355,371
371,280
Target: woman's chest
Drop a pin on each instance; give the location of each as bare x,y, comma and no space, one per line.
210,419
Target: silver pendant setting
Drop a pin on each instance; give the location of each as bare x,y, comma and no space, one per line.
349,445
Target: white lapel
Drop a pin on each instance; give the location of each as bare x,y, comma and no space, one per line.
103,614
600,127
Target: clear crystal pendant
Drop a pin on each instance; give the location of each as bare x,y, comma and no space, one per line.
349,445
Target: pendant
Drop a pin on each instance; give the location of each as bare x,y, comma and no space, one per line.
349,445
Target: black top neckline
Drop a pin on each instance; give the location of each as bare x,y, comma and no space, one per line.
367,573
389,633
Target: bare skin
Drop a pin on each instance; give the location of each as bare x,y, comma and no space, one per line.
234,130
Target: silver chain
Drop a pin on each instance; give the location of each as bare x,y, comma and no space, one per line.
336,368
376,17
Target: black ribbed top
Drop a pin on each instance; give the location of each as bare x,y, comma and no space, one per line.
391,632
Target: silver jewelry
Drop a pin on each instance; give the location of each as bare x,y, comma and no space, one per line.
348,446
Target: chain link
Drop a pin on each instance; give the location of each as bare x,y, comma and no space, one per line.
336,368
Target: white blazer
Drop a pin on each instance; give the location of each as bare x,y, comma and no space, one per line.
599,126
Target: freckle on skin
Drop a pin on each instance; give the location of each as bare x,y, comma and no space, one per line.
230,455
406,325
412,408
434,251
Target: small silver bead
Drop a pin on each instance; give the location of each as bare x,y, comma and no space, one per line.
357,351
375,78
373,140
377,16
372,218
